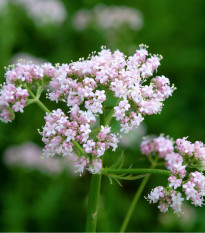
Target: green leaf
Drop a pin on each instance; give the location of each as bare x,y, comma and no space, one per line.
119,162
126,177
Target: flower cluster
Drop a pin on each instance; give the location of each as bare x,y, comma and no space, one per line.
194,152
59,133
84,86
12,98
166,198
186,155
161,145
29,73
194,188
76,83
19,79
108,17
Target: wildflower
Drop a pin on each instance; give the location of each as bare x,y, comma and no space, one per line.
83,86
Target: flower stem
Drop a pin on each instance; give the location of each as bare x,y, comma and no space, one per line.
111,114
78,147
139,192
31,93
92,212
105,171
95,131
36,99
45,109
133,204
94,194
42,106
109,117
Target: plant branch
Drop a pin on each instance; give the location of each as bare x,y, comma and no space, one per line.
94,194
106,171
42,106
109,117
92,211
78,147
31,93
45,109
95,131
133,204
139,192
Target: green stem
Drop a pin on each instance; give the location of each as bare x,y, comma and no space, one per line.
139,192
45,109
111,113
78,147
31,93
42,106
36,99
39,91
106,171
133,204
92,211
102,119
94,194
109,117
95,131
109,107
160,164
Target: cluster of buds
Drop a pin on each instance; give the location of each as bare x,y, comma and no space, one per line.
84,86
178,158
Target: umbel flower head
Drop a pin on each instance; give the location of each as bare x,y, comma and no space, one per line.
85,86
178,158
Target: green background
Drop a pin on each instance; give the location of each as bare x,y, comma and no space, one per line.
31,201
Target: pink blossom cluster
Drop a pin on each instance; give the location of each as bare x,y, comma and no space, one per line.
60,131
84,86
192,184
12,99
29,73
160,145
14,92
195,152
85,81
194,188
93,165
166,199
79,82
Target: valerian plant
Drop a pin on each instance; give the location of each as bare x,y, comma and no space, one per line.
85,131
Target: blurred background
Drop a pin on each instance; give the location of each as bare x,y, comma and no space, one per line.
48,196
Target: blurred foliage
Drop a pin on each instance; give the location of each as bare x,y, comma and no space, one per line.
31,201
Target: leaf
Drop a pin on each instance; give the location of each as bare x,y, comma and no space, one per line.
127,177
123,177
110,179
119,162
117,181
